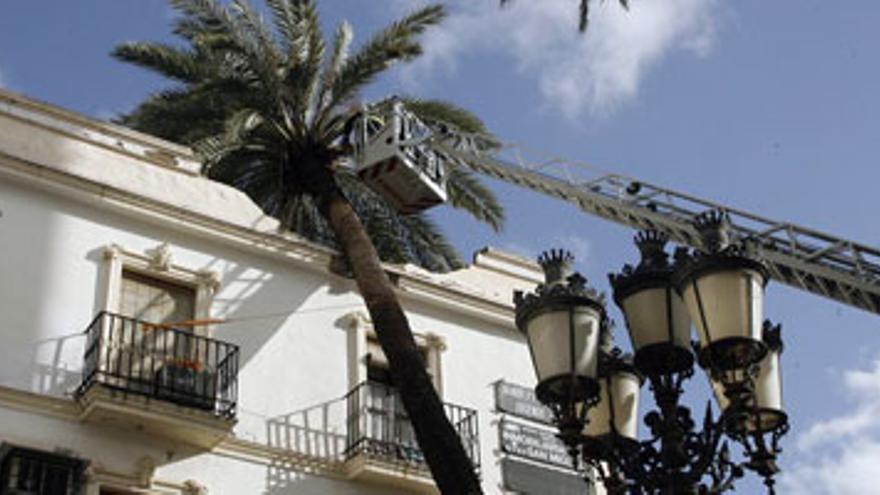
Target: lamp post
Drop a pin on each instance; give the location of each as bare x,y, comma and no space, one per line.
593,388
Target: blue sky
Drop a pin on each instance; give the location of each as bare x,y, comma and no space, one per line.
771,107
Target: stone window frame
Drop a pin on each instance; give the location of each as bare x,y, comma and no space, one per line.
360,331
157,263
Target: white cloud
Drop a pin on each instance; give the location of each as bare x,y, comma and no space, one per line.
840,455
574,72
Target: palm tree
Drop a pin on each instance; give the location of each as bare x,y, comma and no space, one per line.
269,108
584,12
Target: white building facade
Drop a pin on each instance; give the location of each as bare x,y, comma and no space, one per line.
159,335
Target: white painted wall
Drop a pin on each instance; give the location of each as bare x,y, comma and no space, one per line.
287,315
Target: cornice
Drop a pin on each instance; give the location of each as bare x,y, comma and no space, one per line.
454,298
113,137
281,246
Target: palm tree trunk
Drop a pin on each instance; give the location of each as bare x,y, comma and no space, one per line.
449,464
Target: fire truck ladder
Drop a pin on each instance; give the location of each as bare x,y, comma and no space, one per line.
823,264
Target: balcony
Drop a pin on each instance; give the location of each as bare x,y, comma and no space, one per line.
158,379
380,441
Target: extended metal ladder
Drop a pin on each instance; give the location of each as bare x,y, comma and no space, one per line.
807,259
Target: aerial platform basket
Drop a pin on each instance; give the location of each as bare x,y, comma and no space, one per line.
393,157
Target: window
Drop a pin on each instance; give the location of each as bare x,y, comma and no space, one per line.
154,300
388,423
150,287
146,352
378,424
364,352
26,471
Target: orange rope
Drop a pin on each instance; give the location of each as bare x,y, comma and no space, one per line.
184,323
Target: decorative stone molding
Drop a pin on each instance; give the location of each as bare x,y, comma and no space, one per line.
145,469
111,252
210,279
90,473
160,257
435,341
193,487
357,319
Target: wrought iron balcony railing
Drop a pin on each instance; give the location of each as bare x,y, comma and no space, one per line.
378,427
161,362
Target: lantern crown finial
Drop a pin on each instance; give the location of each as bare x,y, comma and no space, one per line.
714,229
557,265
651,244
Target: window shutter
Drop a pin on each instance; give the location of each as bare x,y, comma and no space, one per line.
156,301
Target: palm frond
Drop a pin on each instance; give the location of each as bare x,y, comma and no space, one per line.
188,114
298,23
584,15
583,11
215,28
204,16
446,112
400,238
166,60
240,124
287,16
258,32
314,59
338,58
467,193
429,247
179,115
395,43
212,150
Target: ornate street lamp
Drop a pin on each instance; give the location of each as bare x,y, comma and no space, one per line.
594,389
616,411
724,292
763,421
612,424
766,403
562,321
658,321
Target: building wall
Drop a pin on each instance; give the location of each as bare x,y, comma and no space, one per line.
70,188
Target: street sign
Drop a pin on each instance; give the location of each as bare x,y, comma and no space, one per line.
521,401
530,479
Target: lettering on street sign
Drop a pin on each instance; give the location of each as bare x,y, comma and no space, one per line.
521,401
533,443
